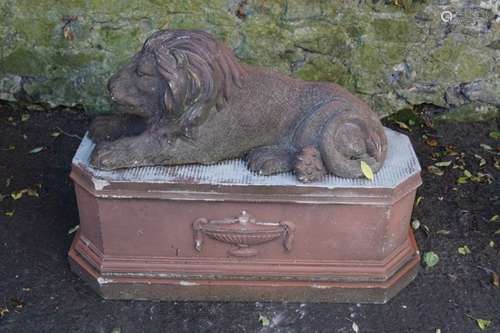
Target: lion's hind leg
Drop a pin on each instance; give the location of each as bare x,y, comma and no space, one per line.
268,160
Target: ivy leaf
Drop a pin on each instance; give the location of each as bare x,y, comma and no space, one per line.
264,321
16,195
430,259
367,171
464,250
495,135
483,323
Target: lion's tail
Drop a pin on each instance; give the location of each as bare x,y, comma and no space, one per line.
349,138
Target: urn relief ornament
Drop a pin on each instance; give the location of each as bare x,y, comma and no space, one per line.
185,98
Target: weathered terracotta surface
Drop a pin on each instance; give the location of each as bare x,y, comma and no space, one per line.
179,233
185,98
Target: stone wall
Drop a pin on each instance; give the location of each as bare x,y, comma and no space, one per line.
396,54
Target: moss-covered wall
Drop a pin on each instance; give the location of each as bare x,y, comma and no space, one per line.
395,54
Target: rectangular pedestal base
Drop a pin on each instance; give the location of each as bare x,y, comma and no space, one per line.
220,232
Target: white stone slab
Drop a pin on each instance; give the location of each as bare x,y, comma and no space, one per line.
401,163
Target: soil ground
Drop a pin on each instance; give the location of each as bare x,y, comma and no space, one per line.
38,292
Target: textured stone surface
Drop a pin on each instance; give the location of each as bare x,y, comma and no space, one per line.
394,54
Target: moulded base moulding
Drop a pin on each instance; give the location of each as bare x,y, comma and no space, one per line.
164,279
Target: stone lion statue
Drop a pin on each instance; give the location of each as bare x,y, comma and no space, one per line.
184,98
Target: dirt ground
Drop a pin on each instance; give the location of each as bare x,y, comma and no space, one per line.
38,292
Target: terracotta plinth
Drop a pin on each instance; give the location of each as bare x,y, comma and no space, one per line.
220,232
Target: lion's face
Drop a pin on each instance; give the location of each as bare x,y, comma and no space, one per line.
137,87
178,76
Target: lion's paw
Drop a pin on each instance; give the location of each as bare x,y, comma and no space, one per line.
269,160
309,165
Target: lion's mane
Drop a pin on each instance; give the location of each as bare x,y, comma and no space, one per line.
199,72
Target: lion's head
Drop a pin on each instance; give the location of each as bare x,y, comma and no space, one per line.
177,75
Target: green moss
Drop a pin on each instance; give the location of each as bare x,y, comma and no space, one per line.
457,61
323,38
368,67
265,42
326,69
23,61
392,30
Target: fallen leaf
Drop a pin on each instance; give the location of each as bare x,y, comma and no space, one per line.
443,164
495,135
418,201
431,142
67,33
25,117
443,232
36,150
497,232
464,250
426,229
485,146
403,125
495,279
3,311
435,170
2,196
16,195
491,244
367,171
264,321
10,213
355,327
483,323
72,230
462,180
32,193
430,259
415,224
495,218
467,173
55,134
